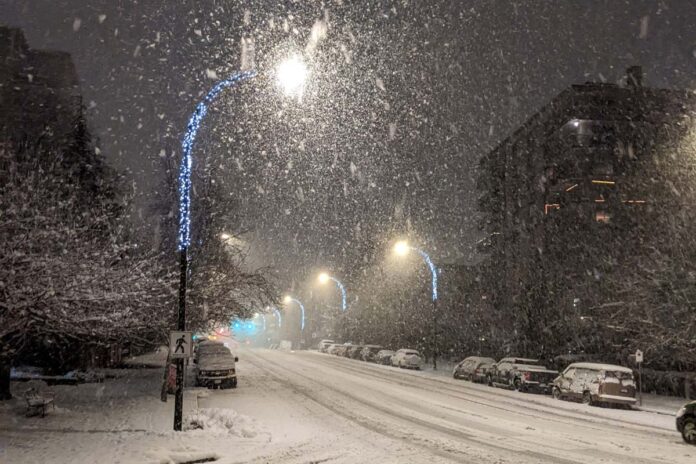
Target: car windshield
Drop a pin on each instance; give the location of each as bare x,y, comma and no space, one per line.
618,375
383,229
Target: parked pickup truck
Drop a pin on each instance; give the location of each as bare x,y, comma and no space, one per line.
522,374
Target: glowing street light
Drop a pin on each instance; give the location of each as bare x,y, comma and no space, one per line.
291,75
287,300
324,277
225,236
402,248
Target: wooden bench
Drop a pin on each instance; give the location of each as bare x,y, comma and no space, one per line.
37,403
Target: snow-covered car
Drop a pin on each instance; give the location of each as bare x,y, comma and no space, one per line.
407,359
324,345
215,366
521,374
473,368
596,383
384,357
342,350
369,353
331,349
686,422
354,351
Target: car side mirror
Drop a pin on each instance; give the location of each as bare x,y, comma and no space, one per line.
236,359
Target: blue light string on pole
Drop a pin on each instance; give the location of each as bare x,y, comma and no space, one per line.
302,321
280,318
187,147
433,269
343,292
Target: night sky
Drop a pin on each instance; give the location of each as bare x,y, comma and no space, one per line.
402,100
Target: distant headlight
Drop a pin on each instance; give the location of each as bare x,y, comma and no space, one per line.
681,412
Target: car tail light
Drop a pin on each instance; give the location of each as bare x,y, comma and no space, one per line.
527,375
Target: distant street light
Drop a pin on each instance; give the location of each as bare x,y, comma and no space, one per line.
287,300
324,277
402,248
224,236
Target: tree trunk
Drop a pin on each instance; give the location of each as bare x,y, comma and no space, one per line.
5,381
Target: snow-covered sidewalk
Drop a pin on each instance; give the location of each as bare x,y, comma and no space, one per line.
120,420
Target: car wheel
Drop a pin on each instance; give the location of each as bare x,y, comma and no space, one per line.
234,383
689,431
556,393
587,398
517,385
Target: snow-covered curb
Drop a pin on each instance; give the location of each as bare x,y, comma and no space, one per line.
218,421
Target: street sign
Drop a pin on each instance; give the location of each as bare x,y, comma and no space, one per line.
180,344
639,356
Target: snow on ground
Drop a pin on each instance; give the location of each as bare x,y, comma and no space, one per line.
307,407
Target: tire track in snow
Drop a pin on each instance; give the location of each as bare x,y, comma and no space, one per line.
513,455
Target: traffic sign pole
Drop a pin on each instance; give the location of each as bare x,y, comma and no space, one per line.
181,325
639,360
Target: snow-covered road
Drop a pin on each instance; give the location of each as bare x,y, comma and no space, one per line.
377,412
306,407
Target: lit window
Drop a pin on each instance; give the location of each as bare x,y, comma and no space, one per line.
602,216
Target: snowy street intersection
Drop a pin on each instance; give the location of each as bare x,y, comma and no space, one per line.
307,407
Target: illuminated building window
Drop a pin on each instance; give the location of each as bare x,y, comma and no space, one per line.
602,216
551,206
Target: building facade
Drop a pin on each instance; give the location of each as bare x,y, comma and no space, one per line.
39,92
575,195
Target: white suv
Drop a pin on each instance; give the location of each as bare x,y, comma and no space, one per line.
409,359
324,344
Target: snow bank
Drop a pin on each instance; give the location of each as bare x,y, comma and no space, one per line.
222,422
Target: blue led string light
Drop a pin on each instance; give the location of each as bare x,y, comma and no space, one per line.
433,269
343,292
302,321
280,318
187,148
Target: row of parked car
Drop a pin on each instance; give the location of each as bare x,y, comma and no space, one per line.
591,383
404,358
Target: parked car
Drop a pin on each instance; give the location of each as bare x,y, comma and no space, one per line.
331,349
384,357
522,374
342,349
369,353
324,344
408,359
686,422
473,368
596,383
215,366
354,351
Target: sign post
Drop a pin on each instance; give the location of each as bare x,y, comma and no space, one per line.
180,348
639,360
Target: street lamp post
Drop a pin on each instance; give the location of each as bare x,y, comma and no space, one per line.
402,248
287,300
290,75
324,277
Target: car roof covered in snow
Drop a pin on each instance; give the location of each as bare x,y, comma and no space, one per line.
480,359
601,367
519,360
